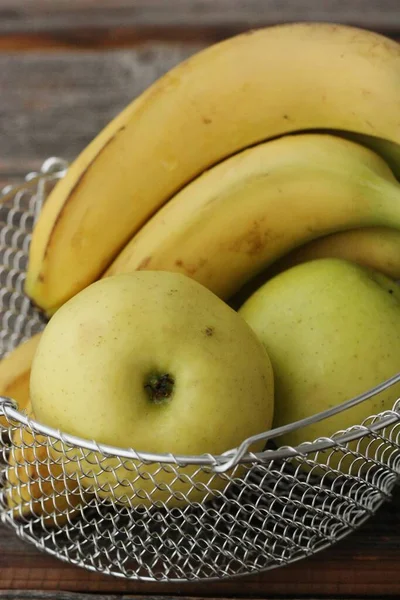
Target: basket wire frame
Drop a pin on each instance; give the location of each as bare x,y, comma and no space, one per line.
158,518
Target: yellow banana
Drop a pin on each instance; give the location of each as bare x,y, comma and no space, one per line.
230,96
35,483
374,247
243,214
15,369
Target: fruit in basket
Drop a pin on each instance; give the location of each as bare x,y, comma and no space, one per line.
240,216
15,370
235,94
332,331
155,362
36,483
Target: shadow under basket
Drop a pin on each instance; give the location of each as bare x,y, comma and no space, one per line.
164,517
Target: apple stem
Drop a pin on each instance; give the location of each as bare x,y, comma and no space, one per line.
159,387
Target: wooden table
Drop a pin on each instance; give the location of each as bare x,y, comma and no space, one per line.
66,68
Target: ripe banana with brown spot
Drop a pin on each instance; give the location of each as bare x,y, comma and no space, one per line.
232,95
236,219
375,247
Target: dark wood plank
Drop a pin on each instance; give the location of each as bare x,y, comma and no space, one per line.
20,15
363,564
127,37
38,595
86,38
84,24
116,23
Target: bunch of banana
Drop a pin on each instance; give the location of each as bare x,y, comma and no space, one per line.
36,484
232,222
223,110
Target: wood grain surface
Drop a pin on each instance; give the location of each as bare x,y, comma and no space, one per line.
23,15
74,24
41,595
66,68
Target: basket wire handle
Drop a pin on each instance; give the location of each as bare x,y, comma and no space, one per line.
236,454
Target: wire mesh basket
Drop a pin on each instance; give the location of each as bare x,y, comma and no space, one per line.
174,518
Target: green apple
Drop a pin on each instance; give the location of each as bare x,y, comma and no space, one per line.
332,331
156,362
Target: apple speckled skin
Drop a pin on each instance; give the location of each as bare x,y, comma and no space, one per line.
103,350
332,331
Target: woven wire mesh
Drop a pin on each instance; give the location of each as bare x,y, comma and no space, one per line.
149,520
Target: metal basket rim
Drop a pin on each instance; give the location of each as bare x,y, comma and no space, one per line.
219,462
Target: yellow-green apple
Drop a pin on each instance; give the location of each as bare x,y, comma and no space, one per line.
332,331
156,362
